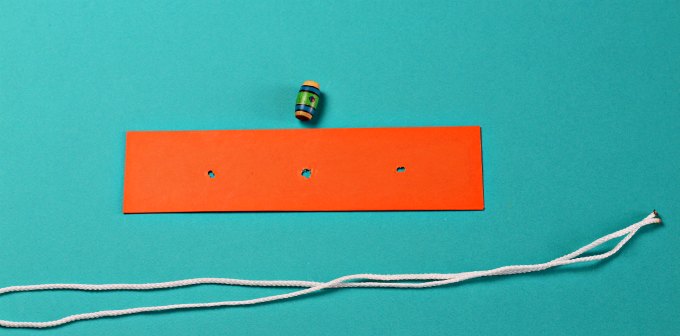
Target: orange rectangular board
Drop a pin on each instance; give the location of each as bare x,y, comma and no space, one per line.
346,169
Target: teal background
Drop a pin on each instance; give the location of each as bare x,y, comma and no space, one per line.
578,103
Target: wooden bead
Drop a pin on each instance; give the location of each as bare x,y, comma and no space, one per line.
307,100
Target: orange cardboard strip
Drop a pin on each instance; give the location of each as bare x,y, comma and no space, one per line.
352,169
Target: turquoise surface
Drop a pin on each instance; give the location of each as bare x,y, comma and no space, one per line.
579,105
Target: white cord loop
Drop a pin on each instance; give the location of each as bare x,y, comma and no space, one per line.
366,281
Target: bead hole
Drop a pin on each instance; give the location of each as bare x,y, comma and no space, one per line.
306,173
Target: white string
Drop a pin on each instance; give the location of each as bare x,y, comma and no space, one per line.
364,281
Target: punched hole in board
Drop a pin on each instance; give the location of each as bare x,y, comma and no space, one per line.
306,173
401,169
211,174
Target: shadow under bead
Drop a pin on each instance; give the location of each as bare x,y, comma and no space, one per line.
307,100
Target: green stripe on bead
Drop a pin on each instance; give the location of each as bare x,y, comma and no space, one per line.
307,98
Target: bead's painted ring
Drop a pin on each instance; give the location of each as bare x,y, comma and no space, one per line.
305,108
311,89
